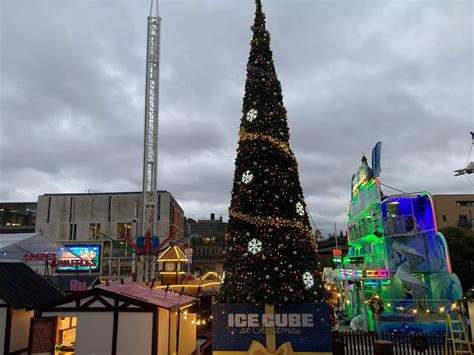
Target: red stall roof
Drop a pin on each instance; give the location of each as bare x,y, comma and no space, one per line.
168,300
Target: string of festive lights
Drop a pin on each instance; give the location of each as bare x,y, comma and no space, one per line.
277,222
209,274
283,146
204,285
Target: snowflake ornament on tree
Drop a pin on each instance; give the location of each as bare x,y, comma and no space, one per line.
251,115
300,208
254,246
247,177
308,279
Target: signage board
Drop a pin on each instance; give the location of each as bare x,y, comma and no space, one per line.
42,335
88,258
337,252
295,328
39,257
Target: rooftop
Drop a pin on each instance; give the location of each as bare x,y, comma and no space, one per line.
163,299
98,193
173,253
21,287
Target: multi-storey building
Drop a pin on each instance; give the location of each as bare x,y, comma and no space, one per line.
82,216
79,219
454,210
17,217
207,241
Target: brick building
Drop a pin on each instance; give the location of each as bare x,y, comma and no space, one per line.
454,210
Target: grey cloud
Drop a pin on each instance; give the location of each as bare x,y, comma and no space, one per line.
353,73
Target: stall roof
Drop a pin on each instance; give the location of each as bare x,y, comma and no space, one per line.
173,253
63,282
15,246
21,287
129,294
163,299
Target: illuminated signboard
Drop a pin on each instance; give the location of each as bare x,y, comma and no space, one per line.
88,258
358,273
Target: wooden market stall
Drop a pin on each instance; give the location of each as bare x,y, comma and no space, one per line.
124,319
21,290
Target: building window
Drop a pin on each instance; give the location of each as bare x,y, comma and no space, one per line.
109,208
107,248
49,210
124,230
94,231
72,231
71,202
463,221
464,203
159,207
171,213
444,218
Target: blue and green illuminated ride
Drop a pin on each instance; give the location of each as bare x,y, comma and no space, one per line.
395,253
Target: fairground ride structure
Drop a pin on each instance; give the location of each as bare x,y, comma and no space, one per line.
147,261
396,256
469,169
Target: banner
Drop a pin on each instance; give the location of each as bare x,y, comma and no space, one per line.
88,258
280,329
376,154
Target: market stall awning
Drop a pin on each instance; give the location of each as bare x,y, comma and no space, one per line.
131,296
162,299
16,246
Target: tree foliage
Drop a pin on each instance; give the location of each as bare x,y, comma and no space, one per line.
461,252
270,252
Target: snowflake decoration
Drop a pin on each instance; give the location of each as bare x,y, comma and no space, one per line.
254,246
308,279
247,177
300,208
251,115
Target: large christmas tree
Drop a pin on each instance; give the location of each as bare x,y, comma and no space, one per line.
270,252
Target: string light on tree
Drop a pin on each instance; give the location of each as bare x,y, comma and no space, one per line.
251,115
247,177
254,246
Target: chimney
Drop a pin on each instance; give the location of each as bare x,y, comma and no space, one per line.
213,216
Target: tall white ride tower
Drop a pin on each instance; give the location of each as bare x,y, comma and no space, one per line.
146,268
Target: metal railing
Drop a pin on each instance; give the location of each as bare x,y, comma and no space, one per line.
362,343
399,225
464,223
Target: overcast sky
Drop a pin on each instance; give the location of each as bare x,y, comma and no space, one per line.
352,73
